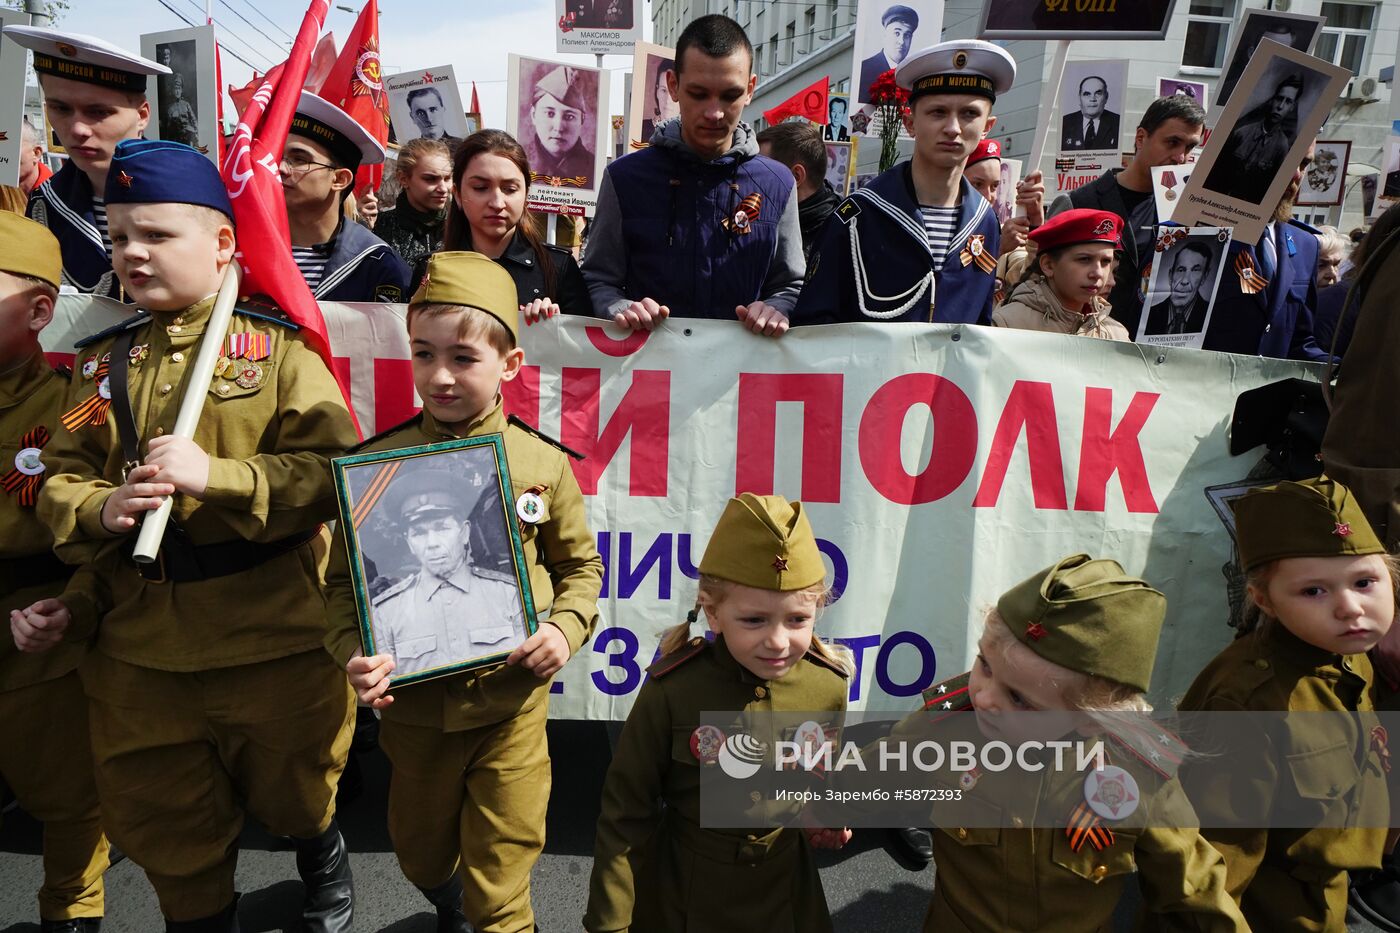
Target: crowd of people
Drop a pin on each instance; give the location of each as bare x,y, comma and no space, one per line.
228,677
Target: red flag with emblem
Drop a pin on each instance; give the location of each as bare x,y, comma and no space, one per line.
250,171
355,84
810,102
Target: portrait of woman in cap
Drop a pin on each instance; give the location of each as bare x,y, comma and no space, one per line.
558,122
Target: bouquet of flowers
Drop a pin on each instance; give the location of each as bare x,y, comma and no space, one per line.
892,107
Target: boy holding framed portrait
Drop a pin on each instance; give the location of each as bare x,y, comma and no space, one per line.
464,576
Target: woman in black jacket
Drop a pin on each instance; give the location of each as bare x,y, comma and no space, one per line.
414,227
491,177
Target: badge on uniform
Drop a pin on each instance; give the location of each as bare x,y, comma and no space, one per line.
138,354
1252,281
247,374
1111,792
705,743
92,363
744,217
968,779
248,346
529,508
976,251
27,475
92,410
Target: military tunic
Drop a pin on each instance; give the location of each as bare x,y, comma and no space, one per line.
191,680
44,745
655,867
1016,869
1291,878
469,614
471,767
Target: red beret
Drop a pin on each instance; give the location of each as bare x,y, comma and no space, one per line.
986,149
1080,225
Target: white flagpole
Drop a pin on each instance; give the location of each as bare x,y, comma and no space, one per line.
192,405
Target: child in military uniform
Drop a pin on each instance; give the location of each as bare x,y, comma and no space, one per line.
1321,593
44,754
1080,635
210,693
470,758
655,867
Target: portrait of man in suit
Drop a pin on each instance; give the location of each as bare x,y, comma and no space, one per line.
899,24
836,130
1093,127
1184,310
429,114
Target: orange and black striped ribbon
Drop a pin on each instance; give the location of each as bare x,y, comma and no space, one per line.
23,486
984,259
92,410
1252,281
1085,826
359,512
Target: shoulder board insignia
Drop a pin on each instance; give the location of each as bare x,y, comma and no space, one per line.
488,573
522,425
395,589
129,324
1149,742
848,210
411,422
693,649
833,663
269,318
951,696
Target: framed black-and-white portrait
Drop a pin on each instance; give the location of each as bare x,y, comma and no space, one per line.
435,554
558,111
1296,30
1324,183
598,27
650,103
184,103
1091,106
1186,267
425,103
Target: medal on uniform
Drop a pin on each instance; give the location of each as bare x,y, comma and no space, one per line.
1111,792
248,374
976,251
742,221
221,365
968,779
138,354
92,410
529,508
1252,282
250,346
27,475
89,367
705,743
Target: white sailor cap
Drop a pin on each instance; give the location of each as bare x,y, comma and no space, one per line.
83,58
964,66
320,120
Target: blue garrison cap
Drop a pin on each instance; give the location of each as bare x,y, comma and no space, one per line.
156,171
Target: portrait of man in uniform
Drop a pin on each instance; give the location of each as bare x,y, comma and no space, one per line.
436,554
898,24
1295,30
558,124
1184,309
1256,148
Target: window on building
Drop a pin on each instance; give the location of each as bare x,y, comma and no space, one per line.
773,57
809,29
1207,34
833,13
789,44
1344,35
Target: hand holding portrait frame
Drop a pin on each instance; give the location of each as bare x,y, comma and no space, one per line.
436,557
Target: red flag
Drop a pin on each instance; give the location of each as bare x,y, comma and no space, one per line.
321,61
476,104
355,84
250,171
810,102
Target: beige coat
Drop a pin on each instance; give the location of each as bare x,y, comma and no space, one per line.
1033,305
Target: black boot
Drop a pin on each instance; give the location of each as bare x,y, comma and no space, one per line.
324,866
447,898
225,921
915,845
75,925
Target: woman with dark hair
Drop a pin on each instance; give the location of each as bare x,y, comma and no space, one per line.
491,177
1336,317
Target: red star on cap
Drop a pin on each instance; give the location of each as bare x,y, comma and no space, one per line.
124,179
1035,631
1342,530
780,563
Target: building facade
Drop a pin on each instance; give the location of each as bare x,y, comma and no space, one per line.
796,42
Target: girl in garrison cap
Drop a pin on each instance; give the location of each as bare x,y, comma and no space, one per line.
1321,592
762,582
1051,851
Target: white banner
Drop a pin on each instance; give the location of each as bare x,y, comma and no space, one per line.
940,464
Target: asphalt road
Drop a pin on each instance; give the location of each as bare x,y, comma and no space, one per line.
868,889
